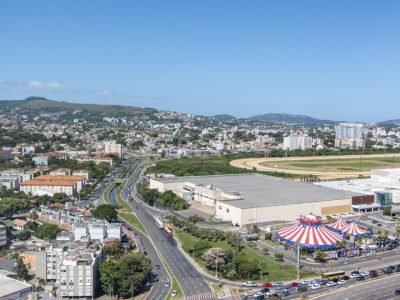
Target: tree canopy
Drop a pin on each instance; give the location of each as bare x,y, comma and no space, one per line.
125,276
46,232
105,212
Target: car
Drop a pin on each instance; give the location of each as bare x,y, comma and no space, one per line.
353,276
258,294
264,290
373,273
397,291
249,284
379,224
315,286
249,293
397,268
267,284
293,284
167,284
306,281
331,283
392,268
345,277
280,286
360,278
355,272
157,267
341,281
364,273
259,297
301,288
270,293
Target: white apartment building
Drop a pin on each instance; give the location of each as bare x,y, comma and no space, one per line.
293,142
349,135
113,148
98,231
73,266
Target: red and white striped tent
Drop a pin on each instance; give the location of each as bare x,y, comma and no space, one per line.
355,230
339,225
309,232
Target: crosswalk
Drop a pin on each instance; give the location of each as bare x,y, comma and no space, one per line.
204,296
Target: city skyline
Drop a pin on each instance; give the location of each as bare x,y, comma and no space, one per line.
332,61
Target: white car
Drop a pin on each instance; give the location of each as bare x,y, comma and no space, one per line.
353,276
305,282
270,293
249,293
342,281
174,293
331,283
315,286
258,294
364,273
249,284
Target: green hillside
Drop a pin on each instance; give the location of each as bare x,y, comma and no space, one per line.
43,105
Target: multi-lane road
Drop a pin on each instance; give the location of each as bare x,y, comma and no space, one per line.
192,282
377,289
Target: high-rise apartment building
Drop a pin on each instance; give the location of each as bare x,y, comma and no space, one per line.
349,135
113,148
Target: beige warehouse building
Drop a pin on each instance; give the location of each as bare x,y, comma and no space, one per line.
255,198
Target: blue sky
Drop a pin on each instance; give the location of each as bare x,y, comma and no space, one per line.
329,59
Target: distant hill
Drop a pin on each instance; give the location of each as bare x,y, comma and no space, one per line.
45,105
288,118
223,117
394,121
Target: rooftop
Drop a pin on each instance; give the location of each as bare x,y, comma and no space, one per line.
10,286
259,190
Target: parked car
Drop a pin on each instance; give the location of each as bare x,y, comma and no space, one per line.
249,284
315,286
264,290
294,284
267,284
353,276
301,288
360,278
373,273
249,293
364,273
341,281
331,283
345,277
397,291
174,293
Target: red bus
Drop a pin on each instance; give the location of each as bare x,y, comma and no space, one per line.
167,232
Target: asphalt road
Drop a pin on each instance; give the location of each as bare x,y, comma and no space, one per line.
192,282
381,288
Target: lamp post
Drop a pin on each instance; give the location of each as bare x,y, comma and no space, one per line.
216,268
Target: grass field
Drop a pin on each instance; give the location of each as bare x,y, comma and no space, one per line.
336,165
277,271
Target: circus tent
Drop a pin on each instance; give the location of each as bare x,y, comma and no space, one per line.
338,226
309,232
355,230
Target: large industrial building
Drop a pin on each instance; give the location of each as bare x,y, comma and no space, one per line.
255,198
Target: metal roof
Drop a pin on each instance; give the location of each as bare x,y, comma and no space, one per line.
260,190
9,286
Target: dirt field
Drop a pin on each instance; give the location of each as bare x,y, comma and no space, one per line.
325,167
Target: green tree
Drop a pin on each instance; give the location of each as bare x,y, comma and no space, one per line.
46,232
387,211
195,219
125,276
105,212
10,206
278,256
21,269
319,255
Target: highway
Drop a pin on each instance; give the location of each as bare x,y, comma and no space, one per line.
158,290
192,282
381,288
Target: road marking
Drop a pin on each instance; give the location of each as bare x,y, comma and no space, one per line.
356,285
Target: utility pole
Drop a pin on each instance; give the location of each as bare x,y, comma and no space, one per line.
216,268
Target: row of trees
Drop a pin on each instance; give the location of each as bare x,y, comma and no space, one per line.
167,199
